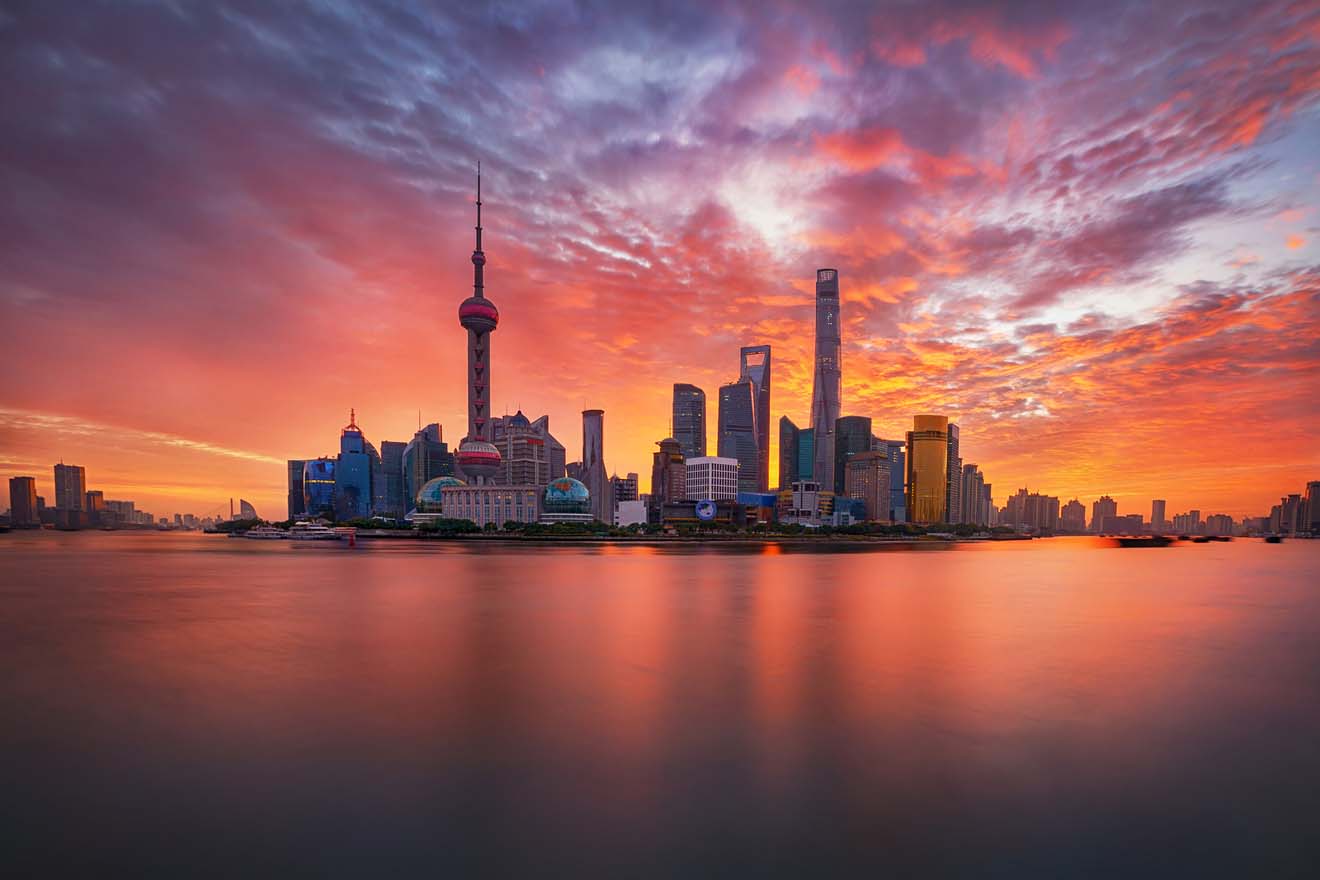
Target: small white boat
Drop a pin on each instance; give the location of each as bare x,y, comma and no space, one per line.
268,533
305,531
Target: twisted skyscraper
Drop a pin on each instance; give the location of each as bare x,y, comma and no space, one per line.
478,458
825,391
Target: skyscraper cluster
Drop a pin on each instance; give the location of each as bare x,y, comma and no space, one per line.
501,462
922,478
835,470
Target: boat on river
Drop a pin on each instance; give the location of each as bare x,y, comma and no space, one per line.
1152,541
307,531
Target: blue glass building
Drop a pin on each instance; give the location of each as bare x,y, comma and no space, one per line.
425,458
318,485
737,432
358,461
897,477
806,454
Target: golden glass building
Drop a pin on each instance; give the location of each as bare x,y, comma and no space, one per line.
927,468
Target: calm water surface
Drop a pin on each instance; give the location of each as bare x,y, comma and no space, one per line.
193,704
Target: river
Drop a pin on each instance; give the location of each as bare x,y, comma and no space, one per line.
184,704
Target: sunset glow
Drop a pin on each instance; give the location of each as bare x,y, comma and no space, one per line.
1089,234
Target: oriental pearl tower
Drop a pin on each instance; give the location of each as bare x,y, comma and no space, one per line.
478,458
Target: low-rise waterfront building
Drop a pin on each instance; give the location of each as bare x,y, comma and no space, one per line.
566,500
491,504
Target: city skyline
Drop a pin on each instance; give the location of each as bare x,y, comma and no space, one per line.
1097,310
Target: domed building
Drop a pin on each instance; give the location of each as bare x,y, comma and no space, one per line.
566,500
429,498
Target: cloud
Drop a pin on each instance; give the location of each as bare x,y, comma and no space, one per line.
215,208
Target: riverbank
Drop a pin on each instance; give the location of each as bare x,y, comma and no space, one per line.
687,540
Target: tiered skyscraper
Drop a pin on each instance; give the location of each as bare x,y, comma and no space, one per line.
826,398
478,458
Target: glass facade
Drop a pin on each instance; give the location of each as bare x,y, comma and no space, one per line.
806,454
318,484
425,457
429,498
566,495
852,435
894,449
690,419
788,452
737,432
296,504
953,467
927,472
390,500
754,366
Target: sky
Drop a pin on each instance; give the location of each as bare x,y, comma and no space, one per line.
1089,233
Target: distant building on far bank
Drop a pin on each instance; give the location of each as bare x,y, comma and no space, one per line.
23,511
1157,523
70,486
1073,517
1101,509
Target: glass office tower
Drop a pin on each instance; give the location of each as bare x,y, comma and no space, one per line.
927,471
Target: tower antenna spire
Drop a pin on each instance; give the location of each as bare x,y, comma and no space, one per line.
478,256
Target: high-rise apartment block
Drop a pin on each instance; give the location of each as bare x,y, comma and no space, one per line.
23,512
866,478
1157,523
973,497
1072,518
1101,508
70,487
